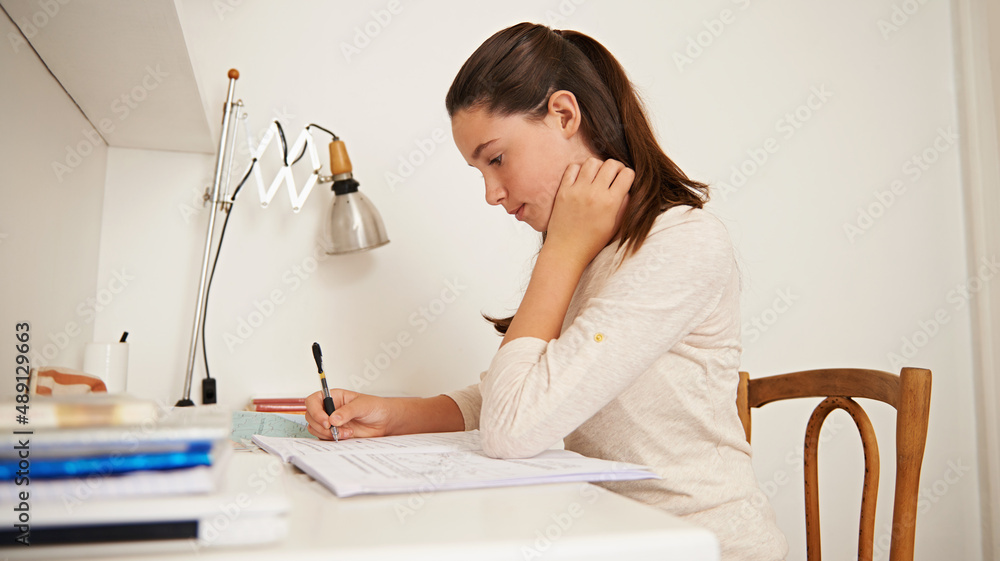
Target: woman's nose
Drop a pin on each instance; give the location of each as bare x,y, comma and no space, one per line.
495,194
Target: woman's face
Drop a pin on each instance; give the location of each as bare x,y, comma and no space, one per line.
522,160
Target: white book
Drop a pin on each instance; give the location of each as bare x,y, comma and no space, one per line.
248,507
435,462
70,491
167,430
77,410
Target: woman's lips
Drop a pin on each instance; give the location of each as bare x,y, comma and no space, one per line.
519,213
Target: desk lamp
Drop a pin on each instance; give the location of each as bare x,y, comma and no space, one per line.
353,224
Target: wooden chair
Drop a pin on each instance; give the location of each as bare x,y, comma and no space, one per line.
909,393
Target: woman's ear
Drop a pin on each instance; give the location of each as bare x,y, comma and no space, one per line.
564,113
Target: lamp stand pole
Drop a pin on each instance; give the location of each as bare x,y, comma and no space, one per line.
217,204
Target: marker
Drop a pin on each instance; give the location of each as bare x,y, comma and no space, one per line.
124,336
327,400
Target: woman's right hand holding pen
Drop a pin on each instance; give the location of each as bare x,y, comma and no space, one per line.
357,415
361,415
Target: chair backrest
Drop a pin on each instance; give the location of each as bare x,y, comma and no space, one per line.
909,393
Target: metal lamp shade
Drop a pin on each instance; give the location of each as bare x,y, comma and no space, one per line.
353,225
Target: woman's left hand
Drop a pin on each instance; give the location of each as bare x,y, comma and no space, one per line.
585,217
588,207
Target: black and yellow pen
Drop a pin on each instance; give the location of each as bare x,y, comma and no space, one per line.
327,400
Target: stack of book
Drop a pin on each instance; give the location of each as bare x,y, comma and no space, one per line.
78,454
294,405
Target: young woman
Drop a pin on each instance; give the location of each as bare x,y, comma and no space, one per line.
626,345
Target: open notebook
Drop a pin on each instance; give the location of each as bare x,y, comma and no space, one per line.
434,462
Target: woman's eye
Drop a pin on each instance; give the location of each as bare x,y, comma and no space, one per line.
497,161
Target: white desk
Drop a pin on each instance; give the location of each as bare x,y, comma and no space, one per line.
575,521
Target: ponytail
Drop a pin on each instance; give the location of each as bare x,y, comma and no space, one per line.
659,183
517,69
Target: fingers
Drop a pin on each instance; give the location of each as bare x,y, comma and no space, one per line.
320,434
342,397
319,421
588,207
345,414
610,174
623,181
354,418
570,175
590,169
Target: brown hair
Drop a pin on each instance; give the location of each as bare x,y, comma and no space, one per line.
518,68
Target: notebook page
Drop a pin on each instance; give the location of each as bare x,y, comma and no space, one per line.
379,473
287,448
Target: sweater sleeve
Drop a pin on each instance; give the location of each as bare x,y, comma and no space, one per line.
470,401
536,392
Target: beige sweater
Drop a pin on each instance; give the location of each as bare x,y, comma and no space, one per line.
644,371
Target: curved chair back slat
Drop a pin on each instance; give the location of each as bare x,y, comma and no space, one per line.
909,393
869,493
832,382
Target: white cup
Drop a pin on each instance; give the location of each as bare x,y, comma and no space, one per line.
109,361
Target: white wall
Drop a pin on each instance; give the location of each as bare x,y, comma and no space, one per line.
993,25
992,307
53,166
857,297
978,63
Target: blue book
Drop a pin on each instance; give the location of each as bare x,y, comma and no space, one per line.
197,454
